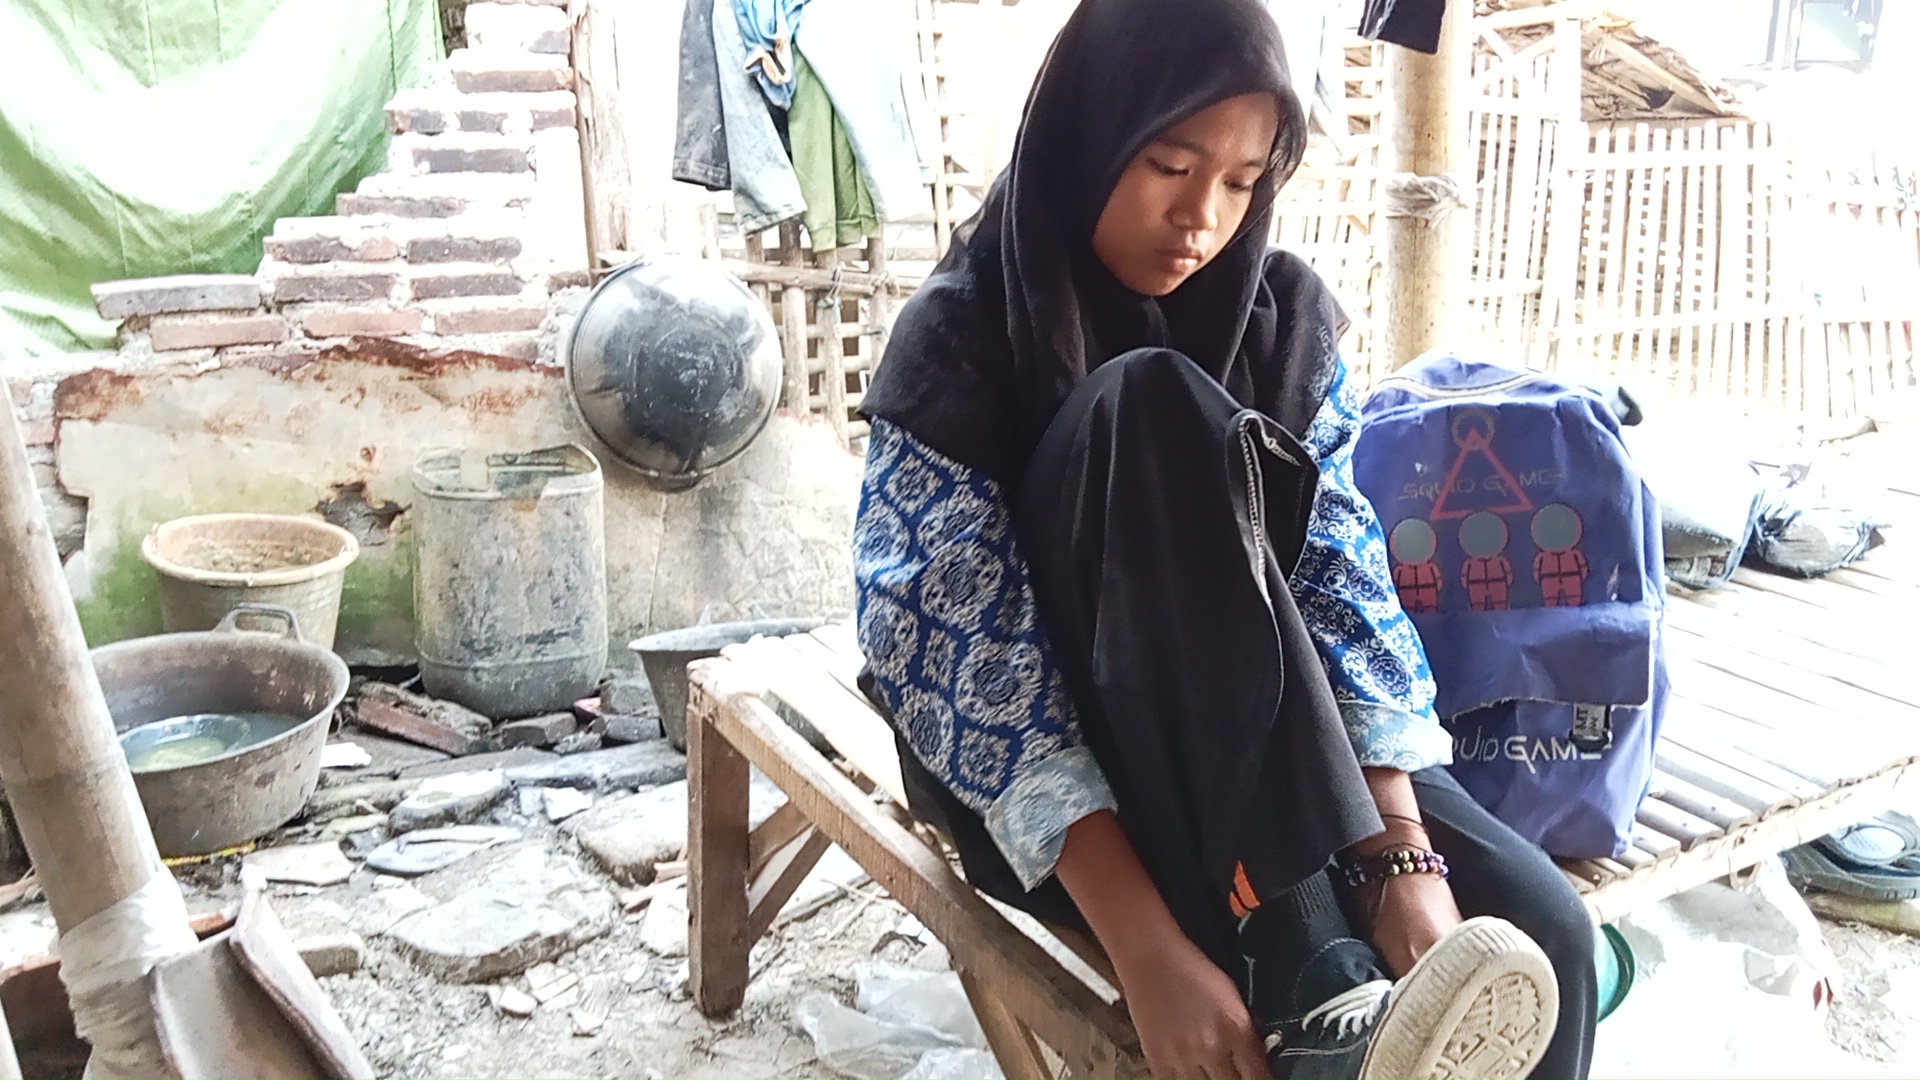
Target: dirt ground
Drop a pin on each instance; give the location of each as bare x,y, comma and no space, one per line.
1876,1002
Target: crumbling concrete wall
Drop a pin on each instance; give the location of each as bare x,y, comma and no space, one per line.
429,311
335,431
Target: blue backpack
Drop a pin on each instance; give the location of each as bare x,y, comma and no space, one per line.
1528,553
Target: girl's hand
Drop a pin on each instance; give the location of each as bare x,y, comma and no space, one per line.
1189,1014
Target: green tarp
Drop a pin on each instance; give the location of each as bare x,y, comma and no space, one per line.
144,137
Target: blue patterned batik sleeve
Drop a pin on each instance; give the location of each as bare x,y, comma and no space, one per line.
1345,590
947,624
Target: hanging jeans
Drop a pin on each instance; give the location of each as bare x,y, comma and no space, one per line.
1160,520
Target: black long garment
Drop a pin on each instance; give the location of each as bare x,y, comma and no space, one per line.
1159,519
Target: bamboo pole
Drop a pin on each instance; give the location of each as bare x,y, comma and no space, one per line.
1426,256
68,782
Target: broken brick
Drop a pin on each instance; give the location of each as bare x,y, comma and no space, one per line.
524,347
456,159
483,71
416,120
171,332
483,120
438,249
438,725
354,204
489,319
303,288
361,322
486,281
330,239
538,730
177,293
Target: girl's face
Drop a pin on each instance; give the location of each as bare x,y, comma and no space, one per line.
1183,198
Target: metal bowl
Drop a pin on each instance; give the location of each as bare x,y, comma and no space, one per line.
251,788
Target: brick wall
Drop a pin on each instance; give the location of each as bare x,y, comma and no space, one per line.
473,240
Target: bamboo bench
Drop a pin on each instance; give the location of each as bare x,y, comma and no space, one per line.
1790,719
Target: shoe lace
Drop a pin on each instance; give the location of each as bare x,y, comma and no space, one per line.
1351,1012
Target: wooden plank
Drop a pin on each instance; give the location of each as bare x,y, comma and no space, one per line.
1659,815
1654,842
1712,776
773,886
1063,1012
845,720
773,834
1738,759
1014,1048
1700,724
1723,812
1860,637
718,857
1812,687
1770,643
1733,852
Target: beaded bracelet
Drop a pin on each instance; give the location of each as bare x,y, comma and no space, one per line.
1394,863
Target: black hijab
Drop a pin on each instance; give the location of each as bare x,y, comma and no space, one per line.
1021,309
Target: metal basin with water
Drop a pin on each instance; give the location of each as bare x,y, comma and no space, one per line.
223,728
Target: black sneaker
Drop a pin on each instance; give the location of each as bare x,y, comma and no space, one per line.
1330,1042
1482,1002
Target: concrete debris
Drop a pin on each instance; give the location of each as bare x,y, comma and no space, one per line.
340,828
427,850
392,899
579,742
512,1000
525,909
344,800
340,952
538,730
635,766
441,725
631,694
448,800
564,802
628,836
390,756
631,728
501,759
664,931
549,982
485,933
596,1001
344,755
301,864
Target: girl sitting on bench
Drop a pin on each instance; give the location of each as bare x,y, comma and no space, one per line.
1136,629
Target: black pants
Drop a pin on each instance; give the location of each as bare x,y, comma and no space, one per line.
1160,521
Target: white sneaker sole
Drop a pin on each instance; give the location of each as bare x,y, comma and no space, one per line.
1481,1003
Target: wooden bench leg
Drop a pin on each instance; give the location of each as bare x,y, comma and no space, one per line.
1011,1041
718,861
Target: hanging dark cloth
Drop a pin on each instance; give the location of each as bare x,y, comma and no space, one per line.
1020,311
1414,24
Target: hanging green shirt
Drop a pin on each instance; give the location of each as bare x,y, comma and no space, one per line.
839,207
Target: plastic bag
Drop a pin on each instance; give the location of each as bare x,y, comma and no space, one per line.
952,1063
930,1000
908,1023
